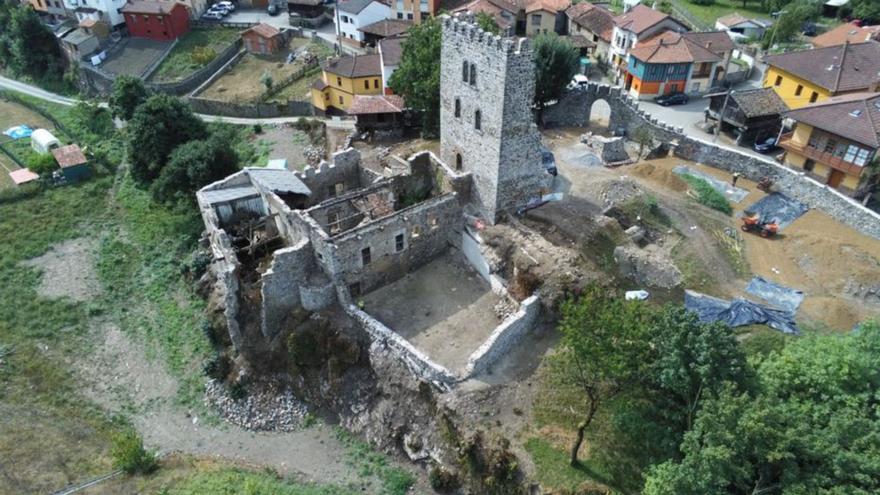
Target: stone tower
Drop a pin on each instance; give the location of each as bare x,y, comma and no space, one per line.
486,126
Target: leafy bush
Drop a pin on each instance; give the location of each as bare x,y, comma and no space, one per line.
42,163
442,480
202,55
129,454
707,195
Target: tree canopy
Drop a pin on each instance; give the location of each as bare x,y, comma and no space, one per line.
417,78
195,164
487,23
556,62
27,46
156,128
128,93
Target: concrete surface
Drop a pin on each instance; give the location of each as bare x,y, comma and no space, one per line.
444,309
327,31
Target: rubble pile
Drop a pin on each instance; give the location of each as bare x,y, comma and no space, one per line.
313,154
265,408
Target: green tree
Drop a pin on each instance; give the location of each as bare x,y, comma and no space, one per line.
32,48
866,10
417,78
487,23
791,22
129,454
193,165
128,93
604,342
811,427
157,127
556,62
42,163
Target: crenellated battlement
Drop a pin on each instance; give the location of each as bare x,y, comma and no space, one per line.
464,27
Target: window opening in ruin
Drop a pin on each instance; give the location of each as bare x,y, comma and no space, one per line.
457,108
355,289
416,231
340,188
366,256
331,190
433,223
398,243
473,74
333,221
464,71
458,161
478,120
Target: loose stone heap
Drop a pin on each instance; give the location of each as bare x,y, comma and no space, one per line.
265,408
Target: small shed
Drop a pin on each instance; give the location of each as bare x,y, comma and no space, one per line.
23,176
378,112
750,113
262,39
43,141
73,163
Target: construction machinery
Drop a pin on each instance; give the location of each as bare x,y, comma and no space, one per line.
752,222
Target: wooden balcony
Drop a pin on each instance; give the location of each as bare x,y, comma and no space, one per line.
819,156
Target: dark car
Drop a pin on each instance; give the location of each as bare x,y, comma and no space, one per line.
765,145
672,99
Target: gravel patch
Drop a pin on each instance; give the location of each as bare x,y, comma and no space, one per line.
68,270
265,408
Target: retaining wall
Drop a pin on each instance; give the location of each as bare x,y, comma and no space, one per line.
505,337
251,110
419,363
573,110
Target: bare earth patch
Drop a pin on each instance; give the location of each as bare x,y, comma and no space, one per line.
68,270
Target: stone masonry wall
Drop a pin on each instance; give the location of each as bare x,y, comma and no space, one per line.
280,285
345,170
573,109
504,154
505,337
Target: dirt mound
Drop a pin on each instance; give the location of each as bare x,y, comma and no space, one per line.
619,191
647,266
661,175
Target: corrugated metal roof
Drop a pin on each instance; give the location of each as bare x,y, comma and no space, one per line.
230,194
275,180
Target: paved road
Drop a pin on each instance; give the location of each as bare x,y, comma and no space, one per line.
35,91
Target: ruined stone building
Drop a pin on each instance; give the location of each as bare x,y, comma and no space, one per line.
285,242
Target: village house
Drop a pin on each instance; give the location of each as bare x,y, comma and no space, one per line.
669,63
385,28
523,17
847,33
351,15
390,52
546,16
378,113
835,140
54,9
342,79
594,23
741,28
807,76
156,20
415,10
637,25
750,114
78,43
719,43
309,13
107,11
262,39
73,163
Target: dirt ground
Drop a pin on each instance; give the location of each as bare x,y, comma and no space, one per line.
827,260
286,142
68,271
444,309
243,84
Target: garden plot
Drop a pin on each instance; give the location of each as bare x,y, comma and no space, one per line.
246,80
194,50
13,114
135,57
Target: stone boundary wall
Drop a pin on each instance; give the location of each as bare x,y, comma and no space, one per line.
573,110
194,80
505,337
219,72
148,72
419,363
251,110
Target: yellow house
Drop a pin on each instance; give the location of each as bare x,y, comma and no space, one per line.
342,79
808,76
835,140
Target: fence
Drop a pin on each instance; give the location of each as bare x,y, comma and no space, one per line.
194,80
681,12
287,81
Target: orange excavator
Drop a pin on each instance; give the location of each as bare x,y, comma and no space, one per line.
752,222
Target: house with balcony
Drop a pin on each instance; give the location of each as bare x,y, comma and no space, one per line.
344,78
742,28
415,10
637,25
106,11
594,23
352,15
808,76
750,114
669,63
835,140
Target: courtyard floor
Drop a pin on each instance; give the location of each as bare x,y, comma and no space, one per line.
445,309
135,57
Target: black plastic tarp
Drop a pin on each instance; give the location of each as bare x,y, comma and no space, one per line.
739,312
776,295
780,207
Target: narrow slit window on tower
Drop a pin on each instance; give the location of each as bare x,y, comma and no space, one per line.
473,74
458,164
366,256
464,71
477,120
457,108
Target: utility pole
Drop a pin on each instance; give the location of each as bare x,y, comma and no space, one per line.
338,29
721,115
775,27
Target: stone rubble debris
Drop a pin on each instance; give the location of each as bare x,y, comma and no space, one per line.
265,408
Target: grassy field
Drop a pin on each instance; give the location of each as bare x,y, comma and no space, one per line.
12,114
720,8
299,90
179,63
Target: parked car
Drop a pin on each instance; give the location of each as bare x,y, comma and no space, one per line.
549,162
217,9
273,9
671,99
765,144
579,80
212,16
227,5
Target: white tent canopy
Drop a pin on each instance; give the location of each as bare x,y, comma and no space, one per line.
42,141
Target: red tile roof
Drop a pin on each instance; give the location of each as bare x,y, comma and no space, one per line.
354,66
847,33
847,67
640,19
596,19
149,7
547,5
69,156
23,176
263,30
387,27
854,116
672,48
370,104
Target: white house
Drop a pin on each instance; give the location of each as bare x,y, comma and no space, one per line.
740,27
351,15
390,50
98,10
638,24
